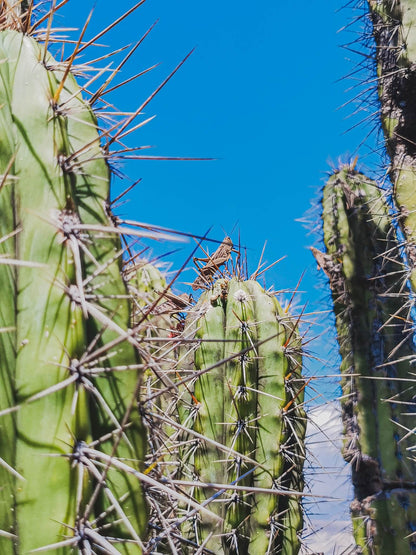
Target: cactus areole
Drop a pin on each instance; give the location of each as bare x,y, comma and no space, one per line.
67,420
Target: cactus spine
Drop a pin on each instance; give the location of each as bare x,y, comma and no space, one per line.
248,405
366,277
64,320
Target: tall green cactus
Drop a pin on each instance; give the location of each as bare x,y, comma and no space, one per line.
366,277
64,320
247,409
394,31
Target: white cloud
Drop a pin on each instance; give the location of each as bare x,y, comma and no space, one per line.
328,525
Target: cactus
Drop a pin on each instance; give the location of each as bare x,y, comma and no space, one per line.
372,302
73,321
64,319
366,277
222,400
393,28
247,409
158,317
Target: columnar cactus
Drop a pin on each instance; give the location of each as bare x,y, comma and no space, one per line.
366,278
71,439
247,409
157,317
394,31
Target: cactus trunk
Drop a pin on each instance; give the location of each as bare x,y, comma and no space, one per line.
249,410
64,317
366,275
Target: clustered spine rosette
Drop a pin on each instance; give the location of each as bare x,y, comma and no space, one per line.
366,277
247,409
71,439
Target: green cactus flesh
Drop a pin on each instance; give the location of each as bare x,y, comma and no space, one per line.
365,273
249,410
63,320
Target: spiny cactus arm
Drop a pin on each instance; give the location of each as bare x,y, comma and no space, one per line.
352,258
394,32
241,403
42,426
366,281
354,359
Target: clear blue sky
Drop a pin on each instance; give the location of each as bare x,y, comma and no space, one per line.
261,95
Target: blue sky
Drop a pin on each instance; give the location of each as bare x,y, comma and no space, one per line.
262,95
